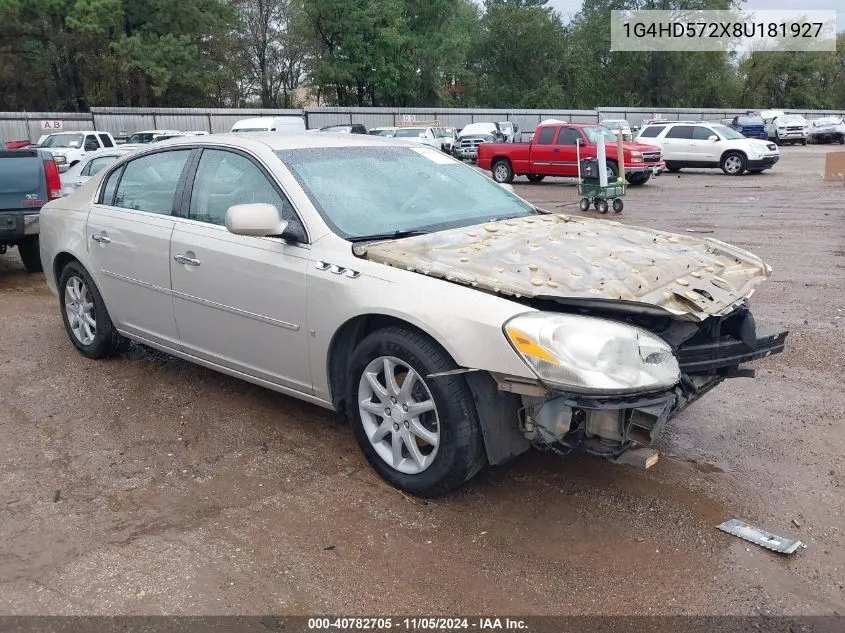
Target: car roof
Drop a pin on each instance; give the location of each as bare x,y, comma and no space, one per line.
282,141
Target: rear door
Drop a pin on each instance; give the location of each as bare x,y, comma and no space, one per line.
129,231
239,300
676,143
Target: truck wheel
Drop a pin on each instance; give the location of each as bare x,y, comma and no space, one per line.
612,171
30,253
535,177
733,164
636,180
420,434
84,314
842,140
671,167
502,171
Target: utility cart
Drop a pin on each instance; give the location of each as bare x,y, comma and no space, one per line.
592,192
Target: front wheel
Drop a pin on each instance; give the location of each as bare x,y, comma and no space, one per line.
502,171
733,164
535,177
30,253
584,204
601,205
85,316
421,434
638,179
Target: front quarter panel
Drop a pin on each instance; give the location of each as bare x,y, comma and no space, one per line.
466,322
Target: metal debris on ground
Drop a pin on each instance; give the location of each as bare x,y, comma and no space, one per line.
760,537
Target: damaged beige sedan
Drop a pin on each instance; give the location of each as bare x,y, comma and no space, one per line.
452,322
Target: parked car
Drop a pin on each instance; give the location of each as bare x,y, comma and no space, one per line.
353,128
619,126
286,124
148,136
750,125
787,128
29,178
286,261
710,145
471,136
554,151
92,165
827,130
68,148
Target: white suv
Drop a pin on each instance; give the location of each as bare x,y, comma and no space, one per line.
700,144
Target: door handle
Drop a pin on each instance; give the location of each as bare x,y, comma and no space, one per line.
556,150
188,261
102,238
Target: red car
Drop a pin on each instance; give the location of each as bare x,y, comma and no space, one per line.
553,152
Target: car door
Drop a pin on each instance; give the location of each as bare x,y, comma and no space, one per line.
703,150
545,153
128,231
676,143
239,300
567,151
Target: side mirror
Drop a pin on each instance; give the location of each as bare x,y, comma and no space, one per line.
713,138
257,219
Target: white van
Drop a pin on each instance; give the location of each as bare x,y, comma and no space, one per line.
270,124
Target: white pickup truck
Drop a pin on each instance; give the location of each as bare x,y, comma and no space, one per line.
68,148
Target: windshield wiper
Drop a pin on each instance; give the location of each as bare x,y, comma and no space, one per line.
395,235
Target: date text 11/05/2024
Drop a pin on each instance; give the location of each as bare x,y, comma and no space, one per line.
416,624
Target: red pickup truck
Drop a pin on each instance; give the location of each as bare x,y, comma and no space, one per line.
552,152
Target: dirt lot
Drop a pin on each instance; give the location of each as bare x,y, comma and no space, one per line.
147,485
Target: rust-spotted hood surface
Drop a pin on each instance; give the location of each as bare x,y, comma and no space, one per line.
584,261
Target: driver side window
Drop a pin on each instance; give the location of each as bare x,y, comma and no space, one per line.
224,179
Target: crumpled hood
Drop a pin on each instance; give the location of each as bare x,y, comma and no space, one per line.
584,261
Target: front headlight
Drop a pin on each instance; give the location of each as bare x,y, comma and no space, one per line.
755,152
587,354
59,159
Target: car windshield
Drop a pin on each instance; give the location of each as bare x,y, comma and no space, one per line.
141,137
409,133
598,132
726,132
749,120
63,140
363,191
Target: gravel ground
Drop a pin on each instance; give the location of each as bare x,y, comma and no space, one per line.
146,485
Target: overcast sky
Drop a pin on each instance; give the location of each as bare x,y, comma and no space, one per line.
568,8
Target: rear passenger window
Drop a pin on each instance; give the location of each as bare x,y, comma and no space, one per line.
225,179
700,133
105,140
149,182
652,131
680,131
546,136
568,136
111,185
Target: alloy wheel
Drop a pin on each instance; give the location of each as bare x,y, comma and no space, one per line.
79,307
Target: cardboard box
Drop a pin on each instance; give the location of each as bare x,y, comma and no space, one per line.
834,166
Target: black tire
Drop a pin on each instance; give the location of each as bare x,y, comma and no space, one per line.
107,342
733,163
842,140
671,167
755,171
502,171
601,205
635,180
612,171
803,141
30,253
618,205
535,177
460,453
584,204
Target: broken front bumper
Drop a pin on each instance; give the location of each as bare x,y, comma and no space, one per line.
608,425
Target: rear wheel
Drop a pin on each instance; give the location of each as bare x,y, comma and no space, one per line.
420,434
733,164
671,167
618,205
612,171
85,316
535,177
30,253
502,171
